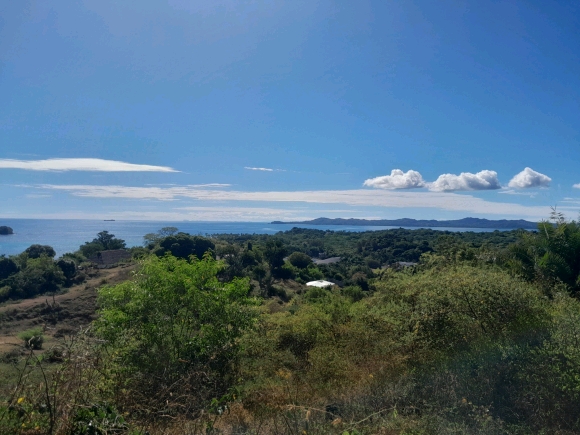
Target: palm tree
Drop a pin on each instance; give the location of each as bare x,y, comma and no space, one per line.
550,255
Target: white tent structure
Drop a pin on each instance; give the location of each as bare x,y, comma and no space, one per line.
319,283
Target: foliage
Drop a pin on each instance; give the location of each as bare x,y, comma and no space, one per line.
274,253
68,267
550,255
104,241
36,276
174,330
183,246
152,239
465,342
109,241
32,338
7,267
452,344
99,419
299,260
90,249
36,251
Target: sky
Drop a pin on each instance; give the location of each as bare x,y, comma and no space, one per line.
242,110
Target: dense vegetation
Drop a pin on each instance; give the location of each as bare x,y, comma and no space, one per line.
36,272
479,337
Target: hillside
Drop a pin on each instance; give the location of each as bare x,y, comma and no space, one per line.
468,222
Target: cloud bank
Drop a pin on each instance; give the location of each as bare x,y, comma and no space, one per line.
529,178
96,165
397,180
360,197
483,180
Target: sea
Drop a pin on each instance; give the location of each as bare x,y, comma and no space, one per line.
67,235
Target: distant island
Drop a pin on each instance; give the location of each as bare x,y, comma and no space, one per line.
5,231
468,222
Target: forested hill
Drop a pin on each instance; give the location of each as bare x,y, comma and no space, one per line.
468,222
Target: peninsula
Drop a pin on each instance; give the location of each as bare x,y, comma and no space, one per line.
468,222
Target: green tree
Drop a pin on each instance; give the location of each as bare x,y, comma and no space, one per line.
299,260
68,267
109,241
174,330
151,239
7,267
38,276
104,241
168,231
274,253
35,251
183,246
90,249
550,255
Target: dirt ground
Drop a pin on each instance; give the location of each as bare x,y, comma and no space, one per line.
59,316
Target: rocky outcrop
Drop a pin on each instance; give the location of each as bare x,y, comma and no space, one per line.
5,231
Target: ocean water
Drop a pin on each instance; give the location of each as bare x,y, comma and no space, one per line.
67,235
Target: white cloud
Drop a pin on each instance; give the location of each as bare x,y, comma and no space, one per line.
360,197
517,192
576,186
483,180
529,178
99,165
259,169
397,180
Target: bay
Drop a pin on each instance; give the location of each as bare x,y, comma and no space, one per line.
67,235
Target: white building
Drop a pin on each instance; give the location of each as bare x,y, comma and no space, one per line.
319,283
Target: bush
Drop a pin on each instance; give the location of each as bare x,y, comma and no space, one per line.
68,267
353,292
33,338
299,260
174,330
99,419
38,276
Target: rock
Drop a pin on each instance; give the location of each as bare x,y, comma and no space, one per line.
4,231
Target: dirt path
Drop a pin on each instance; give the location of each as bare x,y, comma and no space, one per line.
58,316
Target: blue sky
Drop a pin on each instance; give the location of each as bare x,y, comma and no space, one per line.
263,110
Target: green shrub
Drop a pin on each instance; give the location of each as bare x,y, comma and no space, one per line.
353,292
99,419
175,332
32,338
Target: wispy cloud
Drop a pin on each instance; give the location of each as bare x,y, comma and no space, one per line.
250,168
517,192
97,165
259,169
483,180
397,180
360,197
529,178
38,196
576,186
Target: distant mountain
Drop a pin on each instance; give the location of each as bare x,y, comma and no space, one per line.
406,222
